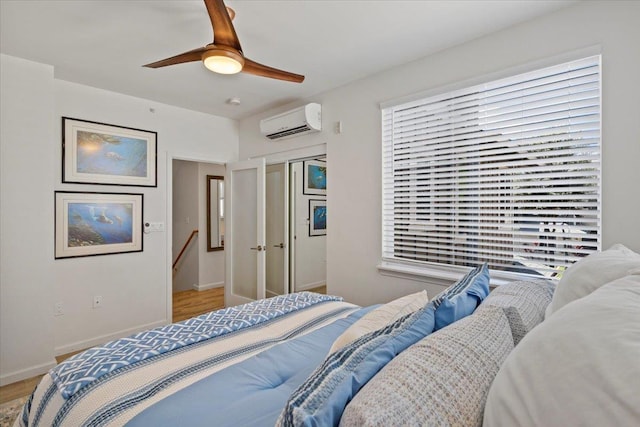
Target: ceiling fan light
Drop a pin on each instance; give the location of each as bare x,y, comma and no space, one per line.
223,62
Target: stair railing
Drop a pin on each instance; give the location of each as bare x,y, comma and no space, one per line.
184,248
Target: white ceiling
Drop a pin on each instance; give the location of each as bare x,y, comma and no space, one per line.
105,43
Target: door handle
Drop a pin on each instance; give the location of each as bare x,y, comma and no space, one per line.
258,248
281,246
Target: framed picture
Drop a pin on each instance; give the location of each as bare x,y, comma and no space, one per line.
317,217
98,153
315,178
90,224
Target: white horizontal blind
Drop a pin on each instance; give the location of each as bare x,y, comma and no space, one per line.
507,172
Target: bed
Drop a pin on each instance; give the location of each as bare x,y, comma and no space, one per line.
307,359
272,361
154,375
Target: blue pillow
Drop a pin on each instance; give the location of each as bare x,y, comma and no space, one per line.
462,298
321,399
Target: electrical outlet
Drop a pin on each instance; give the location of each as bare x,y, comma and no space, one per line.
97,301
58,309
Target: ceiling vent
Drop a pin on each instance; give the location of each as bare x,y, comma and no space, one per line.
299,121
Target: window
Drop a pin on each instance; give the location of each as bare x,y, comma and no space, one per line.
507,172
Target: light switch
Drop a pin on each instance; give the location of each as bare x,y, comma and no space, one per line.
150,227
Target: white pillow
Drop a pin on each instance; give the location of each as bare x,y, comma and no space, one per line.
590,273
580,367
380,317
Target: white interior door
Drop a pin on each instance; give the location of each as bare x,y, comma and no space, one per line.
245,242
277,274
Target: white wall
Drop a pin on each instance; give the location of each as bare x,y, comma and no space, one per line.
27,156
354,202
211,264
310,251
134,286
186,218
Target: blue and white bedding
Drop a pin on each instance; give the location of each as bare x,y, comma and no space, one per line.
114,397
251,392
82,369
260,364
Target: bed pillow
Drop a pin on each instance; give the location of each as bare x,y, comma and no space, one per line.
588,274
524,303
321,399
380,317
441,380
580,367
462,298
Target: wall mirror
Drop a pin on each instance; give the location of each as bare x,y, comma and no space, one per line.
215,213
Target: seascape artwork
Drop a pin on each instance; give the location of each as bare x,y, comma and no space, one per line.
317,177
320,217
93,224
104,154
317,217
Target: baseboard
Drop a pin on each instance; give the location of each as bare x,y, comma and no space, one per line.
81,345
270,294
208,286
310,285
23,374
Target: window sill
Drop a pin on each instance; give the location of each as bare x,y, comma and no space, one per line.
441,275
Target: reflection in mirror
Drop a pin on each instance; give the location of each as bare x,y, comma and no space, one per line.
215,213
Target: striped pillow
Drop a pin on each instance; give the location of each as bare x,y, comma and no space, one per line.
462,298
321,399
381,317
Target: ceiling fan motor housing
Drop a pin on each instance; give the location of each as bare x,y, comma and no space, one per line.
223,59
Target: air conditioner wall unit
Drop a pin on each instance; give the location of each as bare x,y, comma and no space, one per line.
299,121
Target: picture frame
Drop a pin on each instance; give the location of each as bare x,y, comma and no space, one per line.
317,217
105,154
89,224
315,178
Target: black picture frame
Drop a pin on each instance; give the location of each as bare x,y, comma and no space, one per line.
106,154
314,178
317,217
94,223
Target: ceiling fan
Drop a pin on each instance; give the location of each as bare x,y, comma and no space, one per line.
225,55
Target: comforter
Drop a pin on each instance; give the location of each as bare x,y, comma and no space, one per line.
240,373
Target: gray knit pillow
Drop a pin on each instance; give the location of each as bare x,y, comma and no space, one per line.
524,303
441,380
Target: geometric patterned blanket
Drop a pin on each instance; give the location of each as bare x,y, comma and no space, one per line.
83,368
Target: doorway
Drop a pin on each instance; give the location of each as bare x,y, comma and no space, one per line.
197,275
296,226
307,224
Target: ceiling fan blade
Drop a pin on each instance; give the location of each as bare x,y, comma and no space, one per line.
253,67
192,55
223,31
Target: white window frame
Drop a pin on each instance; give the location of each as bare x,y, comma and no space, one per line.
437,272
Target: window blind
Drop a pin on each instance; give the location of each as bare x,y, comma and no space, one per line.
507,172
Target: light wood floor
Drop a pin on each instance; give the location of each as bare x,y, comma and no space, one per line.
186,304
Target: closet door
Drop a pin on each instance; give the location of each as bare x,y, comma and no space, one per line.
277,231
245,243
